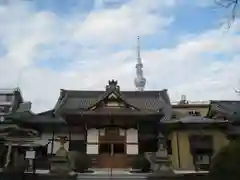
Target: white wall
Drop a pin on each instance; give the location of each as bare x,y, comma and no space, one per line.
132,141
92,137
132,135
132,149
92,149
46,139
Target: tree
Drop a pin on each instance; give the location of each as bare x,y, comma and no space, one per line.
226,163
229,4
141,163
80,162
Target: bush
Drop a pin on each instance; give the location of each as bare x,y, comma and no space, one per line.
80,162
19,165
141,163
226,163
15,171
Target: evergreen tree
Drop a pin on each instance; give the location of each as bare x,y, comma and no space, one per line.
226,163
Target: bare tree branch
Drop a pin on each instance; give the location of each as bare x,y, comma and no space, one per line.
229,4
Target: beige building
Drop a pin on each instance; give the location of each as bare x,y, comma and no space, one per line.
196,133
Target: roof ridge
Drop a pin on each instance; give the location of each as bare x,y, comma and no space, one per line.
134,91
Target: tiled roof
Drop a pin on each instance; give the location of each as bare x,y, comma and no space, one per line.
230,109
195,119
117,112
152,101
29,117
45,117
146,100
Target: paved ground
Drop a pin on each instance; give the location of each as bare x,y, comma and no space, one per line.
116,174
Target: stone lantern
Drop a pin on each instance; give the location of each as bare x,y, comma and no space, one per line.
60,162
62,152
162,163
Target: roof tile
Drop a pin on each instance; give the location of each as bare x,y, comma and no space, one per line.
146,100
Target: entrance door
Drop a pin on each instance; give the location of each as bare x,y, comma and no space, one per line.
119,157
112,151
112,155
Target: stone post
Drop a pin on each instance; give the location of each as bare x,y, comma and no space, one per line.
30,156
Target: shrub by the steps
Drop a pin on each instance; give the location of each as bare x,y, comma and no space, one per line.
18,166
80,162
141,163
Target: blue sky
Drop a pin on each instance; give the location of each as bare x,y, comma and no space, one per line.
188,19
46,45
64,8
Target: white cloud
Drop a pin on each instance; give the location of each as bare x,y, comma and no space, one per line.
191,67
111,26
194,68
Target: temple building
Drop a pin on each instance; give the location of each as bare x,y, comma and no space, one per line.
113,126
98,123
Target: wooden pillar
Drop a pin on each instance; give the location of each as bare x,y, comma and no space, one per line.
52,142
